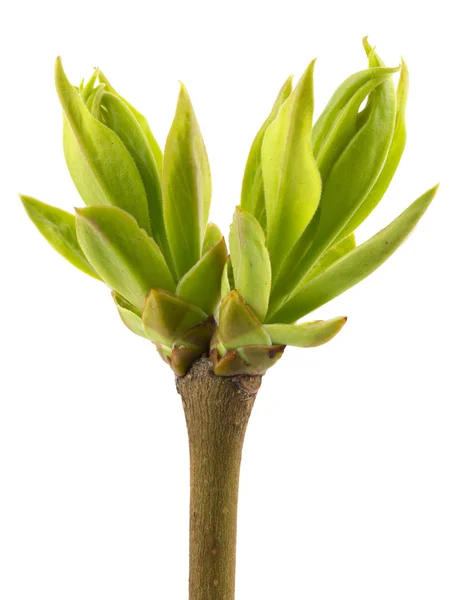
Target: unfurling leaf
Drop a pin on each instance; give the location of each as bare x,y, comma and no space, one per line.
201,284
392,160
118,117
252,195
306,335
58,228
186,183
167,317
122,253
250,261
238,325
337,124
331,256
129,315
100,165
291,178
354,172
156,150
354,266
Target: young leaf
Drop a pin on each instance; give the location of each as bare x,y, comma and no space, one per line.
331,256
337,124
252,195
100,165
201,284
167,317
156,150
129,315
118,117
354,266
291,178
238,326
213,236
355,171
58,228
306,335
250,261
186,183
122,253
393,158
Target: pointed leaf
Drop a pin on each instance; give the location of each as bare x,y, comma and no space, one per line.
186,187
213,236
124,256
355,171
287,278
201,284
291,178
100,165
393,158
252,195
166,317
354,266
331,256
238,326
306,335
251,262
118,117
58,228
129,315
337,124
156,150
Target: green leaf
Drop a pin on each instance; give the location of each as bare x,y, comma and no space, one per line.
129,315
167,317
213,236
337,124
355,172
306,335
156,150
100,165
332,255
393,158
354,266
122,253
291,178
252,195
287,279
186,185
238,325
58,228
201,284
118,117
251,262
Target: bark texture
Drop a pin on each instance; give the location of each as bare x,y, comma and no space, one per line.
217,410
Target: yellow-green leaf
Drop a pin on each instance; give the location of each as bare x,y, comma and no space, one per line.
156,150
201,284
252,195
186,183
238,325
393,158
291,178
100,165
213,236
354,266
58,228
305,335
125,257
167,317
250,261
129,315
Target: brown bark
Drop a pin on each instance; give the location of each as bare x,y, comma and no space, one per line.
217,410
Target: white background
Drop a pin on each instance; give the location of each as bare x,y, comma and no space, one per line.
345,487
